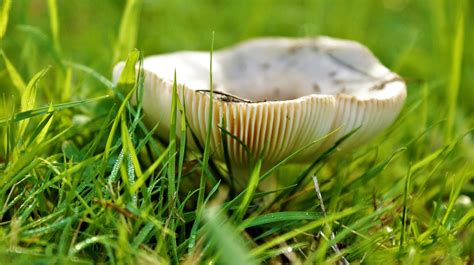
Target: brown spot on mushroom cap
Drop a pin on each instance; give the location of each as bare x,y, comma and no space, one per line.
265,65
276,127
316,88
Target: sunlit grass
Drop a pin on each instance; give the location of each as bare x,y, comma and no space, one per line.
84,181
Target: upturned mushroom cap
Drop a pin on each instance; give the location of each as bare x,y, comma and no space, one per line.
276,95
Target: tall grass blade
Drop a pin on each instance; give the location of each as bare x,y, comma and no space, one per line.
16,78
43,41
205,159
279,217
229,245
373,172
455,75
183,141
67,85
54,23
19,116
5,10
299,180
129,148
93,73
127,83
172,146
250,191
128,31
305,228
141,181
199,215
454,194
39,134
225,148
28,98
405,210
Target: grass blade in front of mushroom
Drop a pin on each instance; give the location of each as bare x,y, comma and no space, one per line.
207,145
299,180
183,141
302,229
249,192
127,84
171,173
361,224
237,198
230,247
225,149
452,89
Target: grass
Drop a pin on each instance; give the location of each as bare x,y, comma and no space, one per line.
83,181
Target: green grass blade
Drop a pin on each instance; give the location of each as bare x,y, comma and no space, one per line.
127,83
299,180
454,194
172,146
373,172
54,22
290,189
43,41
28,98
230,246
455,75
199,213
103,239
128,31
131,154
307,227
16,78
95,74
226,133
405,210
183,141
67,85
128,77
5,10
279,217
225,148
19,116
250,191
141,181
429,158
39,134
48,228
205,159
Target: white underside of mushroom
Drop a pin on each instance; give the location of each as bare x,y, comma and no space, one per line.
276,95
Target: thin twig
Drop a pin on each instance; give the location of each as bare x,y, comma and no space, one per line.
334,246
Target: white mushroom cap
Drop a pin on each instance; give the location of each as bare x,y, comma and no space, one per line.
276,95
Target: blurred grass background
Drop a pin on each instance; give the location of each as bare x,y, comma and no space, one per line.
414,38
428,42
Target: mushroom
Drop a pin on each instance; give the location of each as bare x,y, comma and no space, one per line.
275,95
